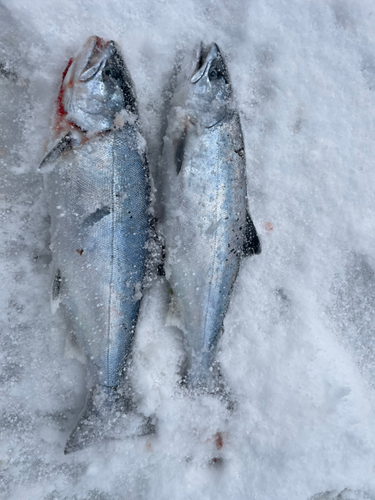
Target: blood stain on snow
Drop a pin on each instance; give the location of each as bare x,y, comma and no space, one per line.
219,440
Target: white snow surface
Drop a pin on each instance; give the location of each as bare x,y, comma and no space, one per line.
299,339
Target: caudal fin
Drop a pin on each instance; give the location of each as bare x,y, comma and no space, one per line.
197,380
107,418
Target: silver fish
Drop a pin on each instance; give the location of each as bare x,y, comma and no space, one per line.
97,183
206,223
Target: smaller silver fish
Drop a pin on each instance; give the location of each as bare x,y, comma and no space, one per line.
207,226
97,183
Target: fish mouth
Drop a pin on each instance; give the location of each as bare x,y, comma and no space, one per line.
84,67
206,56
98,51
96,85
89,60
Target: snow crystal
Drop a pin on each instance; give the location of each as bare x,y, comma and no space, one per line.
298,350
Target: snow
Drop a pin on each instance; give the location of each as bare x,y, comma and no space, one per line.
298,346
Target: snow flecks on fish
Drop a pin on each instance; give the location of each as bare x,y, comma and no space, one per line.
100,187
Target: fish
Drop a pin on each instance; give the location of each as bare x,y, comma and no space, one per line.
204,219
98,190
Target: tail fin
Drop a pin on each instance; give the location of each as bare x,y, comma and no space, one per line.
107,415
208,382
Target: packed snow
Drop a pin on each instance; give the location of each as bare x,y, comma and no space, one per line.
299,340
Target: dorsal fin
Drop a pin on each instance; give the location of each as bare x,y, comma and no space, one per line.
251,244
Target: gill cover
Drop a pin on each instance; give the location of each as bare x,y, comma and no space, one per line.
97,86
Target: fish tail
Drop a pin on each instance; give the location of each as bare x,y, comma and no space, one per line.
107,415
210,381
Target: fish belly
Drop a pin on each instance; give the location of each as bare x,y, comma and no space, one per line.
203,227
98,196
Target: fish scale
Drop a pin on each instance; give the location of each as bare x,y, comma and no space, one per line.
97,185
205,220
203,247
100,284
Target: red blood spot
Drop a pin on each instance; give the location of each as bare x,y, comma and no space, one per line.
79,251
219,441
60,110
61,123
268,226
101,44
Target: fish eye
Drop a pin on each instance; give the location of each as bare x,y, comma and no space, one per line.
112,73
213,74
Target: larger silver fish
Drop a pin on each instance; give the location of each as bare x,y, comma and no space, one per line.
97,181
206,223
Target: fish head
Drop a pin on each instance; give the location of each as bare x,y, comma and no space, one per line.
96,87
210,89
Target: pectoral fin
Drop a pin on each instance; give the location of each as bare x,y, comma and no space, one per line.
56,291
61,146
56,285
180,150
251,244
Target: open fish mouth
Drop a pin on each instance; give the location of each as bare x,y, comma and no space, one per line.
210,64
88,61
206,56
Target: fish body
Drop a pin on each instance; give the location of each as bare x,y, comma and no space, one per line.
98,194
206,224
97,185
